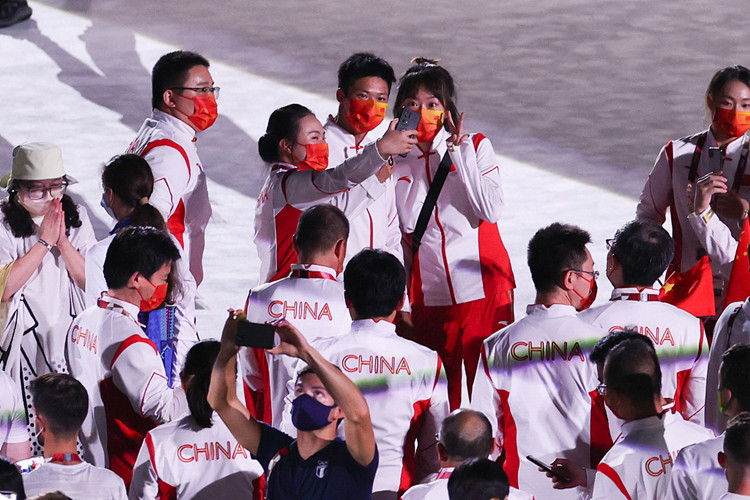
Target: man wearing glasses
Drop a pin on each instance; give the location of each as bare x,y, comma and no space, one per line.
638,254
535,379
184,102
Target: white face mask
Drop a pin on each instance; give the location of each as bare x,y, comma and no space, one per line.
36,208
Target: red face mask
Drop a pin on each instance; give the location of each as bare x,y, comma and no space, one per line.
205,112
316,157
157,299
590,298
731,122
429,125
364,116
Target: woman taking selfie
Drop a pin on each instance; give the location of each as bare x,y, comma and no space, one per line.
708,197
294,146
43,232
461,278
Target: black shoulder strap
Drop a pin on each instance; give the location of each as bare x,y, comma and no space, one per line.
429,202
700,141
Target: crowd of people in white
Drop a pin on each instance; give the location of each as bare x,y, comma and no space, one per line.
379,356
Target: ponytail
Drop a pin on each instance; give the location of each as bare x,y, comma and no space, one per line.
130,178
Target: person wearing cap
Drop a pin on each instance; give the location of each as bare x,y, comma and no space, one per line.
43,233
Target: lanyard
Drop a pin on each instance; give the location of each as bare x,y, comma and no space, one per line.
117,308
65,457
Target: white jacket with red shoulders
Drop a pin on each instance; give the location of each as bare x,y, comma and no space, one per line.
180,192
462,257
289,191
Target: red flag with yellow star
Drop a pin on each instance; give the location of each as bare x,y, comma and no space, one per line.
693,290
739,281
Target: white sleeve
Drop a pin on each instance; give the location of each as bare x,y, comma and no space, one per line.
438,408
717,239
145,482
139,373
481,176
681,486
693,393
657,193
171,177
12,409
484,398
85,236
721,342
606,489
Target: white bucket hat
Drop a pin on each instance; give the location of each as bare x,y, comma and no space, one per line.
36,161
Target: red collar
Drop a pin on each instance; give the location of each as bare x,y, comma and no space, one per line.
59,458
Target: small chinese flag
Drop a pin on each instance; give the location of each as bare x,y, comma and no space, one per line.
739,281
693,290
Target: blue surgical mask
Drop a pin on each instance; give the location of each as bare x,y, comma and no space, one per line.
308,414
107,208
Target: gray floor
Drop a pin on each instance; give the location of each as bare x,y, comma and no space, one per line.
591,89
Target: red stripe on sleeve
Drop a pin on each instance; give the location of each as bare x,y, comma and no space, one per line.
409,466
170,144
510,444
611,474
132,340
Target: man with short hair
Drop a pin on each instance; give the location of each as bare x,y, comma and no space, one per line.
464,434
316,465
735,458
311,299
60,405
534,377
697,471
478,479
183,97
639,465
403,382
639,253
119,366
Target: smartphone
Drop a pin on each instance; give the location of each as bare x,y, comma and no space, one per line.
547,468
715,160
408,120
258,335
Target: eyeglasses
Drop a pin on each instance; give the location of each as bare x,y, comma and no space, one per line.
202,90
37,193
595,274
610,243
601,389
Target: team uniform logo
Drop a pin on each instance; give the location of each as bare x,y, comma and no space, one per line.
320,470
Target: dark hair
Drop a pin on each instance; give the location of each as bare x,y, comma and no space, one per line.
478,479
554,250
131,180
632,369
726,75
11,479
319,228
374,283
198,365
137,249
466,434
644,250
734,373
171,71
282,124
362,65
435,80
737,438
18,219
62,401
605,344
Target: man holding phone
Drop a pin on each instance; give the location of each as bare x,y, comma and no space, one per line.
310,298
316,465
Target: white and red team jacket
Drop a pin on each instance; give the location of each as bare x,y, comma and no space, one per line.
123,374
407,393
377,226
462,257
180,192
732,327
438,489
666,187
696,474
288,192
180,460
535,384
640,464
679,340
186,334
312,300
